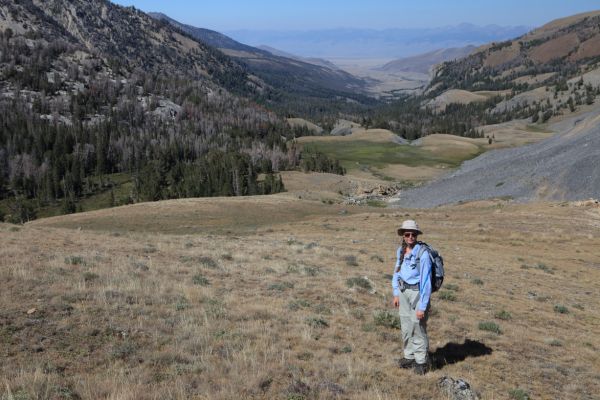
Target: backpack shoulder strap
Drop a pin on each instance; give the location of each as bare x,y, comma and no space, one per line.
424,247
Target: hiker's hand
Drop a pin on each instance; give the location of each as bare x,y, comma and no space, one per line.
420,314
396,302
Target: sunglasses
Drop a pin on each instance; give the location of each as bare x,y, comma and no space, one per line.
410,234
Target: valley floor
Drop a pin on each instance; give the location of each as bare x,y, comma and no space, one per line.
275,297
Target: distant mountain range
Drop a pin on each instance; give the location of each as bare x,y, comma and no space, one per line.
370,43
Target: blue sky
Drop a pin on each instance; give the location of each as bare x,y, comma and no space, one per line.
227,15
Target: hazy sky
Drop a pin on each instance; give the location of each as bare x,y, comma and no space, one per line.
226,15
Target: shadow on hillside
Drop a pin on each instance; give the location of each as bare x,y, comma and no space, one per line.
452,353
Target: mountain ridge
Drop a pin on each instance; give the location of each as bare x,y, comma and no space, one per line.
301,76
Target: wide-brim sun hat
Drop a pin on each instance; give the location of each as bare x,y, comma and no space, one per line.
409,225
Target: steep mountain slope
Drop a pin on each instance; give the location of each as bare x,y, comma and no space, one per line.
424,62
297,76
90,89
122,38
565,47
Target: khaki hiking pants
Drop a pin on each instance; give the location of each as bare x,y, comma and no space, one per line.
414,331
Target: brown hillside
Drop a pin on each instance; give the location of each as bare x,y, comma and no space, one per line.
559,47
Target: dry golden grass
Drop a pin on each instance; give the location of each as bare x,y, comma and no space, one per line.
515,133
452,145
370,135
457,96
138,305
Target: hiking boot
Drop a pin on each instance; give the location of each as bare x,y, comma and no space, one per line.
406,363
421,369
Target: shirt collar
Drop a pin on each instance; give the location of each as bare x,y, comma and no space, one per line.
415,250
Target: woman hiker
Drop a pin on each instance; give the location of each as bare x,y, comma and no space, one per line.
411,283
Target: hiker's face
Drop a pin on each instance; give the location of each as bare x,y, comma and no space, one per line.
410,237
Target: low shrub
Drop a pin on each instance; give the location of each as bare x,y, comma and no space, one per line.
351,261
292,269
90,276
518,394
447,295
387,319
545,268
181,304
490,327
503,315
375,257
311,271
123,350
208,262
281,286
359,282
317,322
298,304
559,308
451,286
322,309
346,349
74,260
200,280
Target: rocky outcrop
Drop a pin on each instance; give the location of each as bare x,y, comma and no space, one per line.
457,389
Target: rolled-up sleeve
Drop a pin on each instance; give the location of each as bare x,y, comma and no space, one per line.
395,277
425,281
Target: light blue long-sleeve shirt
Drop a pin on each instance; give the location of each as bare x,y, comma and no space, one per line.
411,273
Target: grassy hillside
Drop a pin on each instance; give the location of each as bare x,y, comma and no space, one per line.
171,300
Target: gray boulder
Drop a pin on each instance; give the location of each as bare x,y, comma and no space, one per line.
457,389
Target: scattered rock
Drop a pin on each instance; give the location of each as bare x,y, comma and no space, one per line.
31,311
361,194
343,128
586,203
457,389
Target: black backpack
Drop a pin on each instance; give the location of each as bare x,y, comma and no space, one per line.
437,266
